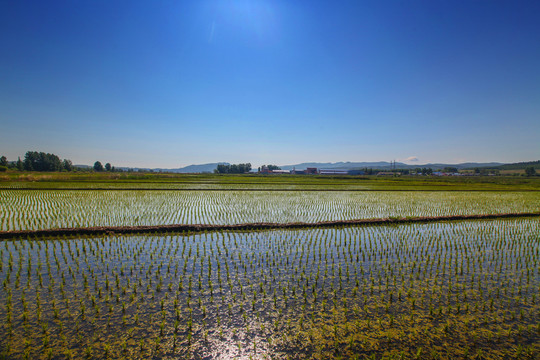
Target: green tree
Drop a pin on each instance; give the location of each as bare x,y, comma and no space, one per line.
233,169
221,169
20,165
270,167
3,161
67,165
530,171
98,166
108,167
40,161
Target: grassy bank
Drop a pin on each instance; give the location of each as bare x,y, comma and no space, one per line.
36,180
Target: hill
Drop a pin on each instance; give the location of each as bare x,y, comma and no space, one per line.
201,168
519,165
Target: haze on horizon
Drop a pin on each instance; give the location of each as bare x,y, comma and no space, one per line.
173,83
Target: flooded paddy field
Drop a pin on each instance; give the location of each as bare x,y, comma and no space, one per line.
46,209
438,290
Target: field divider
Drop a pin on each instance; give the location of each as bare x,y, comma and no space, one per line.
105,230
264,189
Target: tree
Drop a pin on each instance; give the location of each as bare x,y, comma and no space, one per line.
20,165
40,161
427,171
108,167
450,169
3,161
368,171
271,167
67,165
98,166
233,168
530,171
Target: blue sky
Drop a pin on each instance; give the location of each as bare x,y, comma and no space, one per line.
173,83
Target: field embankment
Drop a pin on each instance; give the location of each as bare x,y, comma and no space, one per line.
33,180
100,230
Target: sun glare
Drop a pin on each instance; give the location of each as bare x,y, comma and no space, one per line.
250,17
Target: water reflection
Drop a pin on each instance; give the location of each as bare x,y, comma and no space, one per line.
285,293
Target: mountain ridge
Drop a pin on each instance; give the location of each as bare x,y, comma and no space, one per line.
378,165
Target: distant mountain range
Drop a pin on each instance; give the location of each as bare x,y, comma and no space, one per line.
520,165
202,168
379,165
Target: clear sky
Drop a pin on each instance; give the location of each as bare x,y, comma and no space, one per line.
171,83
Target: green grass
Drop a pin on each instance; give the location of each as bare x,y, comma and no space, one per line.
253,181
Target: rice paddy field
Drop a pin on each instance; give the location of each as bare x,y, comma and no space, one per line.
437,290
46,209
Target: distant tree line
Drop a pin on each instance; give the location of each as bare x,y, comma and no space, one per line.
36,161
520,165
233,168
485,171
3,163
99,167
450,169
41,161
424,171
270,167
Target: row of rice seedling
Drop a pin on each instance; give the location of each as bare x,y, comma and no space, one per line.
32,210
191,185
407,290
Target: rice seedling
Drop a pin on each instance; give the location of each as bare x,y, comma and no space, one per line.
276,292
87,208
